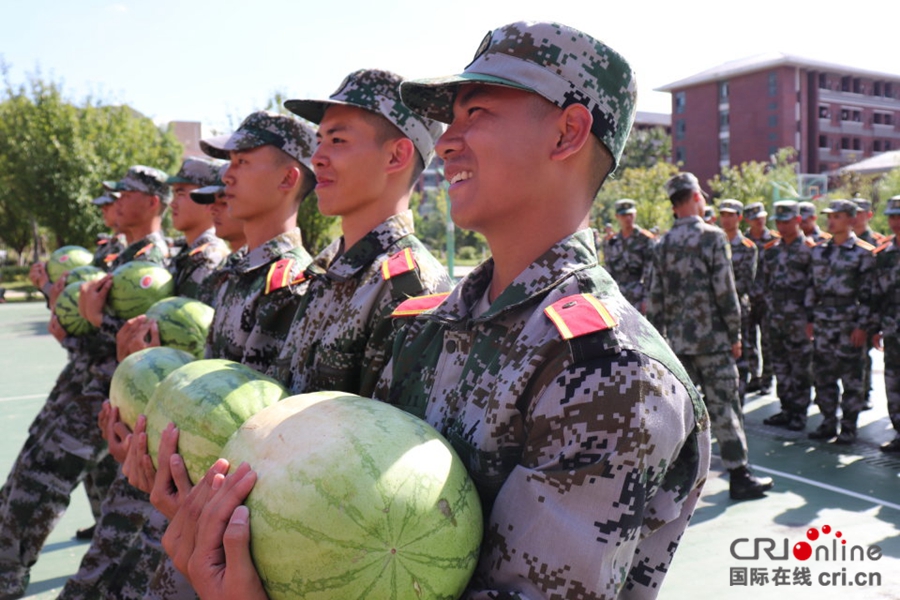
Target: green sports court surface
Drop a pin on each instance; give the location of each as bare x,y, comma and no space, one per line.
731,550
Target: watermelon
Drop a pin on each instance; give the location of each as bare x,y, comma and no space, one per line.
137,376
66,311
207,400
84,274
356,499
183,323
67,258
137,286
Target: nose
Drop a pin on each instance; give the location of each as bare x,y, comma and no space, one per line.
319,157
449,143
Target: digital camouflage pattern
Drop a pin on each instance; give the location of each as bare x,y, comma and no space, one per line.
682,182
197,171
694,305
558,435
197,261
759,328
379,92
841,301
295,138
744,261
558,62
786,278
108,249
887,305
629,261
249,325
146,180
872,237
343,332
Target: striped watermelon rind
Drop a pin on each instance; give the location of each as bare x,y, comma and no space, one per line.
66,311
207,400
137,377
356,499
84,274
67,258
183,323
136,286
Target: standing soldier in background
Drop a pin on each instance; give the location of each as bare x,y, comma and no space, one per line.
862,230
628,255
887,303
693,302
744,261
709,215
808,222
761,372
841,300
785,276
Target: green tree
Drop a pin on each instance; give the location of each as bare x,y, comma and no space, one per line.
645,148
645,185
758,181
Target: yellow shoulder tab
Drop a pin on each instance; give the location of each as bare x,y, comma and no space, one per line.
579,315
770,244
775,233
647,233
279,274
419,304
883,246
747,242
809,242
144,250
198,249
865,245
398,264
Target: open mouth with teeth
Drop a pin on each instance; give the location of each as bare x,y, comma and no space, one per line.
461,176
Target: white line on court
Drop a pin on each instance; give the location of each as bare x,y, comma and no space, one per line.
31,397
830,488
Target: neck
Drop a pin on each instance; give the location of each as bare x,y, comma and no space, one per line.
268,226
627,231
236,242
191,235
141,231
789,238
731,233
357,225
840,238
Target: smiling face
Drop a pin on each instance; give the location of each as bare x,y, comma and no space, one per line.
495,152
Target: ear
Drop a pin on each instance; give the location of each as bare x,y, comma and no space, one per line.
573,129
403,153
291,178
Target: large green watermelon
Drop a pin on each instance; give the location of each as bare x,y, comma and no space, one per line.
136,286
67,258
66,311
207,400
137,376
183,323
84,274
356,499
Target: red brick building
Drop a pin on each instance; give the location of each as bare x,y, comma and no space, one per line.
745,110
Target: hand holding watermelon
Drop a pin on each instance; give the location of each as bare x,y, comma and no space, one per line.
93,298
136,334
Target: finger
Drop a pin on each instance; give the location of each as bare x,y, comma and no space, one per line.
154,334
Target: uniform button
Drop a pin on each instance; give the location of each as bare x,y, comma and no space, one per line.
451,346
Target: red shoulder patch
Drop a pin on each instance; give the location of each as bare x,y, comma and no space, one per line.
110,257
102,242
775,233
144,250
418,305
747,242
398,264
865,245
647,233
278,275
809,242
770,244
198,249
579,315
886,244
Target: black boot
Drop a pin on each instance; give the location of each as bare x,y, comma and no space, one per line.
85,534
797,422
779,419
744,486
848,429
826,430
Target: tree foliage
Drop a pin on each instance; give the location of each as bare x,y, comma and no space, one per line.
644,185
759,181
646,148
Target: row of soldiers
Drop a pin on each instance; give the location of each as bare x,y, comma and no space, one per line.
548,383
812,303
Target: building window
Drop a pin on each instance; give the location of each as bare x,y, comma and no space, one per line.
773,150
723,91
773,120
888,89
680,102
823,141
824,111
679,155
856,116
857,86
845,114
845,143
680,129
857,145
773,84
845,83
823,81
876,89
723,120
887,145
876,146
724,150
888,119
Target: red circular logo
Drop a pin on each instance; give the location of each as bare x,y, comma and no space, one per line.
146,281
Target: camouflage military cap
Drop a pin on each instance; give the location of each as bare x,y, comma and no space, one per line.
683,182
146,180
786,210
840,205
730,205
207,194
807,209
557,62
893,206
103,200
295,138
863,204
197,171
378,92
625,206
755,210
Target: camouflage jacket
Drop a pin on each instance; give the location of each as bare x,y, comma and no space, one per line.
841,286
786,274
744,263
343,332
588,453
756,294
693,299
194,263
108,249
887,286
209,289
818,235
630,260
872,237
255,304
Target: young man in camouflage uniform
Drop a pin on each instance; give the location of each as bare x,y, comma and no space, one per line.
628,255
709,215
785,274
842,319
744,261
70,445
808,223
887,303
761,366
529,365
694,305
862,230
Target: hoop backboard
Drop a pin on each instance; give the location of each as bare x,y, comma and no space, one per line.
812,186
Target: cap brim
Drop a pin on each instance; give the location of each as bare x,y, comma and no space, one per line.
728,210
206,195
102,201
175,179
217,146
312,110
433,98
112,186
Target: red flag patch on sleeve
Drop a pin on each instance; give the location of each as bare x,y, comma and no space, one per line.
418,305
398,264
198,249
279,274
144,250
579,315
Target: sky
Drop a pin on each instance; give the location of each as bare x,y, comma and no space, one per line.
215,62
